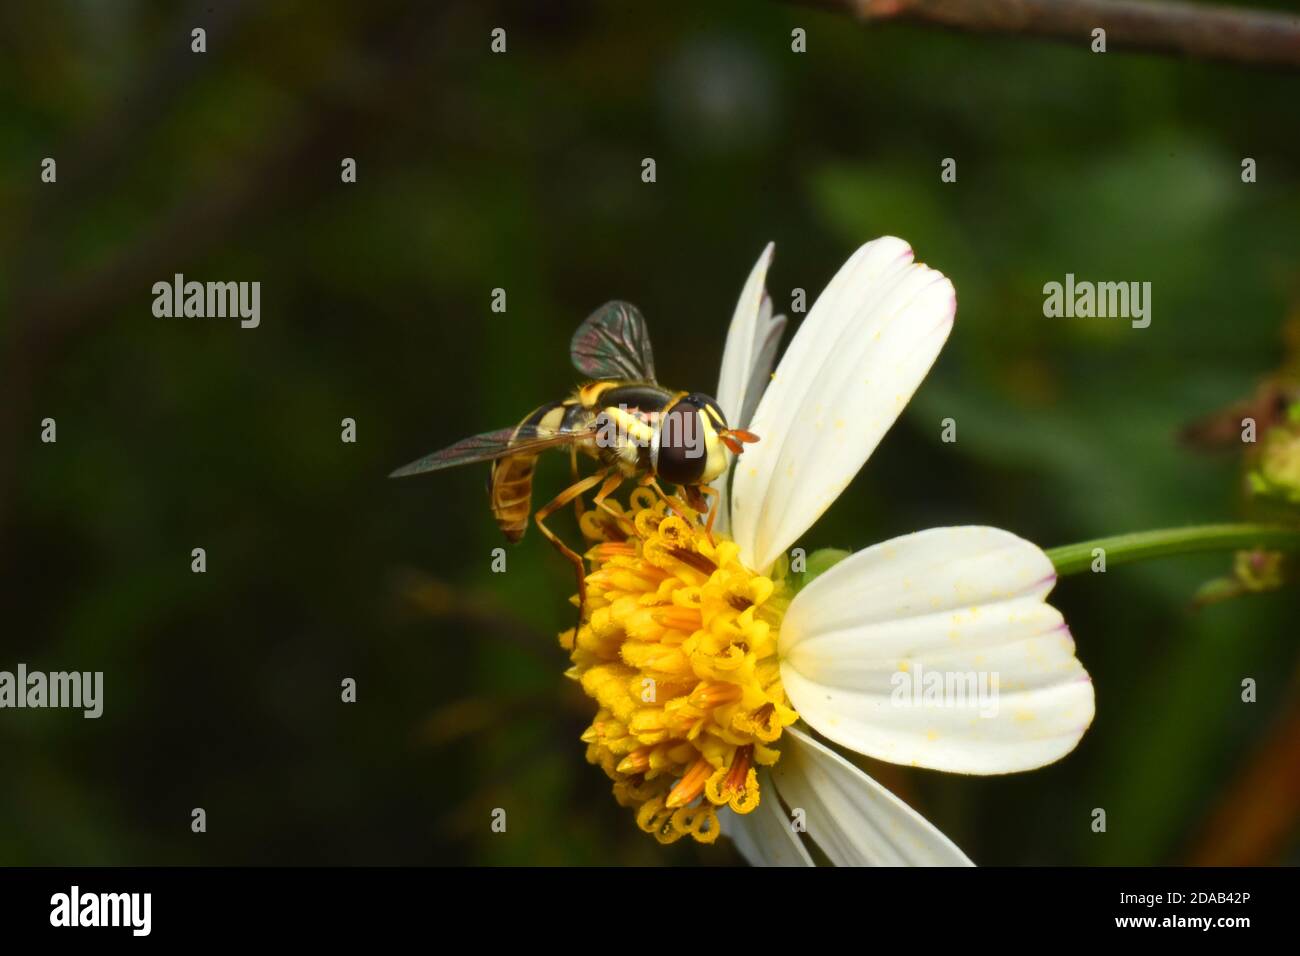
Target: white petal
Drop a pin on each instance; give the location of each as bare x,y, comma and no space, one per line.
855,820
752,326
966,604
765,836
743,336
854,364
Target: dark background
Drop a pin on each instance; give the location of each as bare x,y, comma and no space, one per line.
522,171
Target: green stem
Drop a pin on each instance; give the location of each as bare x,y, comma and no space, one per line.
1141,545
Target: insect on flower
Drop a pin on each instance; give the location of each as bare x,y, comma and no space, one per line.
711,672
633,426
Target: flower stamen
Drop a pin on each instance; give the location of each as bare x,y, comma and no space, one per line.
678,648
691,785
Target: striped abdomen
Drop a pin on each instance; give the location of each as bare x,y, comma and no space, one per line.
510,487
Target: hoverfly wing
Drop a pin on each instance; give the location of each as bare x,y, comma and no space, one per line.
614,342
490,446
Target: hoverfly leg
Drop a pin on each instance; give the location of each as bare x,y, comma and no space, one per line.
554,505
578,508
702,495
672,501
608,488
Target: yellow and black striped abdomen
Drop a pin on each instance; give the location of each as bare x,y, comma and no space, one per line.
511,492
510,486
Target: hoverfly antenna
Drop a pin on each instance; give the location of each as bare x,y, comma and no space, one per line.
736,438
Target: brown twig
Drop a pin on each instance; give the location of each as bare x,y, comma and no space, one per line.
1256,817
1235,35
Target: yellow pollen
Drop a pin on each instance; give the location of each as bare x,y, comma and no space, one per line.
677,647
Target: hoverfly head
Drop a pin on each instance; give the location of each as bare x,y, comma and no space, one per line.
693,440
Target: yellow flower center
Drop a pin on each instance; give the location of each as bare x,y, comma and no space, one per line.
677,647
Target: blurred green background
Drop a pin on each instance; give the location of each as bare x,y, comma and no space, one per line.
522,171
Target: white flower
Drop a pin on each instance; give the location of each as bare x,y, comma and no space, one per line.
966,600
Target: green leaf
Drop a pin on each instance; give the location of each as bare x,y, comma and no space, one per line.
819,562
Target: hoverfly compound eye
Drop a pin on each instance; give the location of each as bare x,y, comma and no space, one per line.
681,448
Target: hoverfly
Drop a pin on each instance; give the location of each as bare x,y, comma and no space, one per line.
634,428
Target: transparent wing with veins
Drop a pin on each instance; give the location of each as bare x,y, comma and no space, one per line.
489,446
613,342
